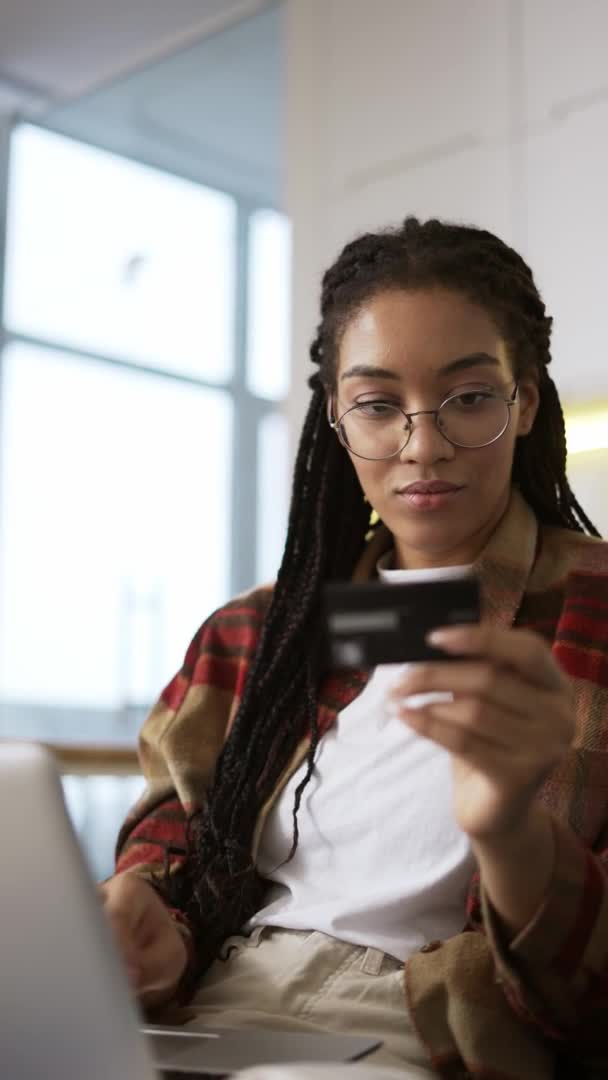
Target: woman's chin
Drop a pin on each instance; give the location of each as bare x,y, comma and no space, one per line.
436,543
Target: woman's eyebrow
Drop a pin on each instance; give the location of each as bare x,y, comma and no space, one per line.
478,359
369,371
373,371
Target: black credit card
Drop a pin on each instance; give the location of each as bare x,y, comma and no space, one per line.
382,623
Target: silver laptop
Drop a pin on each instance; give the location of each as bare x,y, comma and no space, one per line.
66,1011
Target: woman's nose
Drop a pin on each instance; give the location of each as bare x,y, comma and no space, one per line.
426,444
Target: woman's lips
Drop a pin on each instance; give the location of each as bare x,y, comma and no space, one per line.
429,496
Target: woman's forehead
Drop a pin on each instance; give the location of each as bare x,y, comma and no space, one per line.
425,329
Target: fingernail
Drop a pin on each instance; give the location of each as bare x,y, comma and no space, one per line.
439,637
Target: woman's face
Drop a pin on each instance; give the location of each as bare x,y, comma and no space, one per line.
414,349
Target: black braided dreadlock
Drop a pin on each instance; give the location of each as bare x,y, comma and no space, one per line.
218,885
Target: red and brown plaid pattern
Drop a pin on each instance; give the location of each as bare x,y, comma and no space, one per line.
497,1010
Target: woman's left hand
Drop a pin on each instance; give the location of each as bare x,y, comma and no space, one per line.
510,723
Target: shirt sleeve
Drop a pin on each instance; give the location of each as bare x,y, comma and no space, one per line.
554,973
179,745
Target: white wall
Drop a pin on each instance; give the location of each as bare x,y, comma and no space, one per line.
587,475
493,112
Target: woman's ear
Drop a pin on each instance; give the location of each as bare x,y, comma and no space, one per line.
529,399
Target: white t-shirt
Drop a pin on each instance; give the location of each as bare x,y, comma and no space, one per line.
380,860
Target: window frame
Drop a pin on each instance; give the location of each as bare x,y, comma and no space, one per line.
249,410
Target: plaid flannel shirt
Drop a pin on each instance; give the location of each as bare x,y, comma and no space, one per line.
483,1005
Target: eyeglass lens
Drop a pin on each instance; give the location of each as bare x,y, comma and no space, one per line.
376,430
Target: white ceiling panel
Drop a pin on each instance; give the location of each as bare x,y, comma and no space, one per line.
53,50
211,112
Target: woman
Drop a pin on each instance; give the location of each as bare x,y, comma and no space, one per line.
321,853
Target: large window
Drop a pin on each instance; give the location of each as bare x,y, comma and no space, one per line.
106,255
143,453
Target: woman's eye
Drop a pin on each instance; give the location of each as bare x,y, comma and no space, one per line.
375,409
472,399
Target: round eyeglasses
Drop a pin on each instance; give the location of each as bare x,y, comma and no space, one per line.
375,430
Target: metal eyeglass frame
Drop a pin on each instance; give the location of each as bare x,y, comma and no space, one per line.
336,425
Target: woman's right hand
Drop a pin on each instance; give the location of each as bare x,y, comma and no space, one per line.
152,946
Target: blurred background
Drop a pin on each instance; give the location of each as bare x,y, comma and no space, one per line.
173,181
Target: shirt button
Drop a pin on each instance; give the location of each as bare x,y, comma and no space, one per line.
431,946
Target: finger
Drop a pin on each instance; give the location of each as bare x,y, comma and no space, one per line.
162,963
497,685
471,728
128,948
450,726
127,900
125,921
126,914
520,649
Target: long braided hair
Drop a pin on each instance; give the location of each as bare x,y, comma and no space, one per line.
218,885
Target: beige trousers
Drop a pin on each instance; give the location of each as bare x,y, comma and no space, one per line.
307,981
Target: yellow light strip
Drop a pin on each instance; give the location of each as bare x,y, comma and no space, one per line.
586,429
